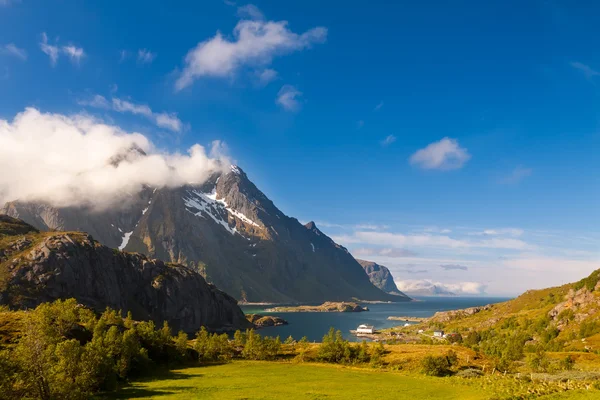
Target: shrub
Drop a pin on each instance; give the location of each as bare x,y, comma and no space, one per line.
567,363
439,365
469,373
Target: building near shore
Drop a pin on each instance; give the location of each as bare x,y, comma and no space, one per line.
365,329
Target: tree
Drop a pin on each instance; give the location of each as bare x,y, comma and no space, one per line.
181,344
302,348
201,344
333,348
362,355
377,352
435,366
538,361
567,363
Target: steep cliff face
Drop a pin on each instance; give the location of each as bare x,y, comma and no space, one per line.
381,277
230,232
36,267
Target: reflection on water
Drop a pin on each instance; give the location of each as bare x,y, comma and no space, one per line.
315,325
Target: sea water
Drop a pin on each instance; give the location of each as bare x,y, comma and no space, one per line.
314,325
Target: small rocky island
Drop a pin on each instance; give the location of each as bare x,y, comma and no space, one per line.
328,306
263,321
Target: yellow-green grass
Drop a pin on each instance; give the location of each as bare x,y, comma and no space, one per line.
290,381
279,380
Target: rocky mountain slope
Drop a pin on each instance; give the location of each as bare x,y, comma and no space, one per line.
229,231
37,267
381,277
567,315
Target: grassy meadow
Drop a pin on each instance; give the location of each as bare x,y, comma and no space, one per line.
285,380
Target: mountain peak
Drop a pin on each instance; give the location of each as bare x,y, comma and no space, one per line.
311,225
234,169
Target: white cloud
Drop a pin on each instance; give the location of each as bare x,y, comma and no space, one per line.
250,11
164,120
435,229
388,140
12,50
585,69
266,76
287,97
51,51
452,267
386,252
96,101
255,43
378,106
123,54
500,232
74,53
427,285
444,155
8,2
145,56
517,175
70,161
399,240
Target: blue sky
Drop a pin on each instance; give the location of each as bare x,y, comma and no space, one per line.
419,134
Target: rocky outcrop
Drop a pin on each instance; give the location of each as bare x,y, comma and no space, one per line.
381,277
447,316
579,303
328,306
230,232
40,267
263,321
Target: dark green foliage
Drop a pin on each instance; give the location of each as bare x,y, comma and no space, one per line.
334,347
538,361
472,339
439,365
67,352
260,348
567,363
590,282
377,353
589,328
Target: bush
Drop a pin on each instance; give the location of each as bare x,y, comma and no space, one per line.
439,365
567,363
469,373
538,361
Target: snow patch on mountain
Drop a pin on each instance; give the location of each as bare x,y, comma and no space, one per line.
126,237
205,204
211,198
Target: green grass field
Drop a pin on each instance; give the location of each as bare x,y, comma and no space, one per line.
289,381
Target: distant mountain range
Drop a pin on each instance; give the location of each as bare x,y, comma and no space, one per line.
230,232
381,277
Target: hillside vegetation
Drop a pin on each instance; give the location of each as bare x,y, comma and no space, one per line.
523,330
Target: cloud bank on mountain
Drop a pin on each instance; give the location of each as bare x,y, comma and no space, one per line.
80,161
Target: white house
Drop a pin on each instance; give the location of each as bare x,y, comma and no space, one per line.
438,333
365,329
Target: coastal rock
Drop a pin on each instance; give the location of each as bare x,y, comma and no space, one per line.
43,267
263,321
446,316
328,306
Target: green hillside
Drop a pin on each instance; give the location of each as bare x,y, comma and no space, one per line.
565,318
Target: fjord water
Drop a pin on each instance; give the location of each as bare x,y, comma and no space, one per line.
314,325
